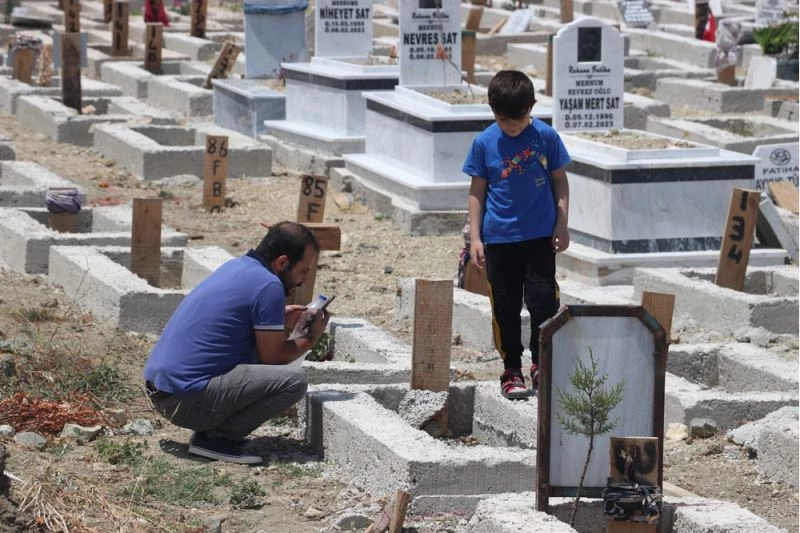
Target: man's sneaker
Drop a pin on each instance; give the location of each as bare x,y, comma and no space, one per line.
512,384
221,449
534,377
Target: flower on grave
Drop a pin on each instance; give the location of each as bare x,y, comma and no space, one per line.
441,53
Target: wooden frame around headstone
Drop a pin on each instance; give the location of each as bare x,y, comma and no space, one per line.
146,239
661,305
154,41
432,338
215,172
658,359
737,239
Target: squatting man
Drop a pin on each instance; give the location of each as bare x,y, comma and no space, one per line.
221,366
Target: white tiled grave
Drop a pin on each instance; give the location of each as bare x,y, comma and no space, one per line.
49,116
152,152
27,237
416,145
99,280
669,199
325,109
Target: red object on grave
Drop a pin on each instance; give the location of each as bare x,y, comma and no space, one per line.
149,16
710,32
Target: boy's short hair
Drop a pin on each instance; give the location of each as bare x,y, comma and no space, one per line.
511,94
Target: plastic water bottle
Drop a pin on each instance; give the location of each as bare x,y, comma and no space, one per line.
301,328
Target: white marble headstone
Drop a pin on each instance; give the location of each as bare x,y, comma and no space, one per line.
517,22
770,12
776,162
761,72
343,28
588,82
430,28
636,13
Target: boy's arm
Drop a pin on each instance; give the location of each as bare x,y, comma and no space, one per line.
561,195
475,202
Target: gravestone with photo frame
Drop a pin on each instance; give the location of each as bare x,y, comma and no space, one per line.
589,84
630,347
430,43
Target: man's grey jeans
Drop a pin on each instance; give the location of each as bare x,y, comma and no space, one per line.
234,404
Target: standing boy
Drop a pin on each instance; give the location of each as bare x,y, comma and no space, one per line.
518,207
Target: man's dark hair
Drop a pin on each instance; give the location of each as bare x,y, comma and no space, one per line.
287,238
511,94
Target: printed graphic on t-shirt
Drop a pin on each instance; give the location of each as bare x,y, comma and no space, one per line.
525,160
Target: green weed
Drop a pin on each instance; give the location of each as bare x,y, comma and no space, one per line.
127,452
161,481
246,495
320,350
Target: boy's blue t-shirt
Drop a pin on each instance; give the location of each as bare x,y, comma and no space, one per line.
213,328
519,202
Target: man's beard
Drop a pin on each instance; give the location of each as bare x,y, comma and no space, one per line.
288,288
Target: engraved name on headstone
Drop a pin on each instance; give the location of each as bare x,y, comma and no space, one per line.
343,28
776,162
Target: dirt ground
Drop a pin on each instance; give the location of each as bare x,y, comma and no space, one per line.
132,483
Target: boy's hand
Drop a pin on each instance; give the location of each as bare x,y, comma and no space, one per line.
560,238
476,255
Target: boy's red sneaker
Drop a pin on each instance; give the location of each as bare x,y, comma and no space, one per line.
512,384
534,377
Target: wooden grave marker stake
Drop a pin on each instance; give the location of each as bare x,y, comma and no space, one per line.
119,29
24,59
474,18
71,70
661,305
72,16
63,222
432,337
154,40
637,457
468,54
498,26
198,11
727,75
146,239
310,209
108,8
394,522
738,238
567,11
224,63
215,172
784,194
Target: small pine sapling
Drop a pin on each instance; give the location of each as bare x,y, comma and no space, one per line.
586,412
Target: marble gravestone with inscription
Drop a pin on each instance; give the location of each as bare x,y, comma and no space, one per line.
770,12
343,28
430,43
517,22
588,83
636,13
776,162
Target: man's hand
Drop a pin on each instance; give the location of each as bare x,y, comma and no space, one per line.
293,314
318,325
560,238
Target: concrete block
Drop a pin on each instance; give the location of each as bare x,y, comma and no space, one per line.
699,515
181,94
25,184
133,79
639,108
194,48
98,54
301,159
684,400
512,513
98,280
769,299
11,90
709,96
27,237
63,124
777,446
381,452
500,422
152,152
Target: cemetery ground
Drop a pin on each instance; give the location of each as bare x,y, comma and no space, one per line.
149,483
